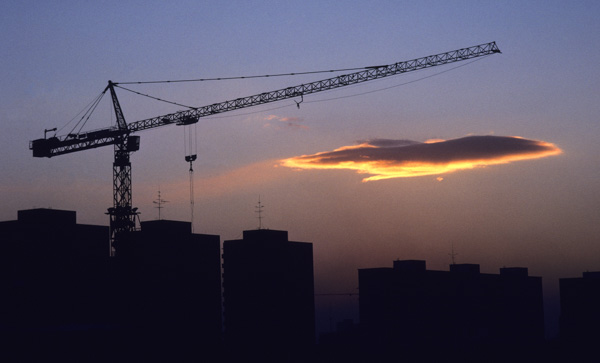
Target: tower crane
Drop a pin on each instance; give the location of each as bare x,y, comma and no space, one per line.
122,214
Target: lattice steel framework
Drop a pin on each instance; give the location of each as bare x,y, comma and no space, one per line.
122,214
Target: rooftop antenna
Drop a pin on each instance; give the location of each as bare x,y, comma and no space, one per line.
159,202
259,209
453,255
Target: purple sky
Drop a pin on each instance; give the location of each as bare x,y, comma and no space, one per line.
540,213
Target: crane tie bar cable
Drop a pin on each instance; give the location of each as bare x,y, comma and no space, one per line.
248,77
351,95
155,98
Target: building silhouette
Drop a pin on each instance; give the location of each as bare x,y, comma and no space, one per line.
421,310
268,289
65,298
54,282
49,268
580,309
170,280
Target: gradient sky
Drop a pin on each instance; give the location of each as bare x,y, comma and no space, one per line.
539,213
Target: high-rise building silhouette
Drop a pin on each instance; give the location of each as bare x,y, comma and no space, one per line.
64,297
268,289
170,282
409,306
580,309
49,265
54,283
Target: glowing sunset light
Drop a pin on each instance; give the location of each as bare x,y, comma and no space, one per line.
433,141
386,159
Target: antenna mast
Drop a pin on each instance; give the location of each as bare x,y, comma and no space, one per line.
259,209
159,202
453,255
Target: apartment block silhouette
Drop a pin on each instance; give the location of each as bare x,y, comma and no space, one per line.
268,289
55,285
170,281
580,308
51,270
409,306
64,297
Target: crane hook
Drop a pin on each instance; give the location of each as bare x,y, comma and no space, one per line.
190,159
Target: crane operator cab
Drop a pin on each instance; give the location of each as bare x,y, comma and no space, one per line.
133,143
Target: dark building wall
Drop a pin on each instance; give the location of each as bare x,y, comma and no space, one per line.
64,296
268,286
408,305
172,284
521,301
56,288
580,309
41,216
48,235
52,271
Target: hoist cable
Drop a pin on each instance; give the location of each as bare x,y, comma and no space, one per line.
192,196
190,148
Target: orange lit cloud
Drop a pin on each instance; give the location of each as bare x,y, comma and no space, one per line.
385,158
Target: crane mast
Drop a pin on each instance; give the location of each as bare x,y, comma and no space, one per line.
122,214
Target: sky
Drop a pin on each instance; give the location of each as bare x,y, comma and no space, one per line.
532,201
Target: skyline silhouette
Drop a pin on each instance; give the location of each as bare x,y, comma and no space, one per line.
161,296
540,213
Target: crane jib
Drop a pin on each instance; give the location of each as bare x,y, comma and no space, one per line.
371,73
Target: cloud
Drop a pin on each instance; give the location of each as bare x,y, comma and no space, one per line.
386,158
293,122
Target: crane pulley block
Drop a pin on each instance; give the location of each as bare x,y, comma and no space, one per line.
186,120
